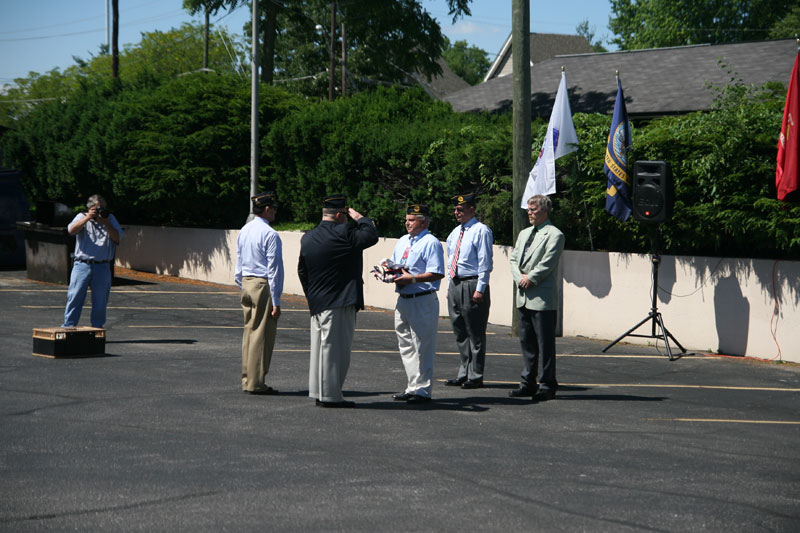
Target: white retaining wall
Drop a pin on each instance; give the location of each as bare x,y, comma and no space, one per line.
731,306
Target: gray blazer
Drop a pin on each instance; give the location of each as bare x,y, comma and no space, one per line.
540,264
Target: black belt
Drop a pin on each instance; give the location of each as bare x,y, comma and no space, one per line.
459,279
416,294
92,261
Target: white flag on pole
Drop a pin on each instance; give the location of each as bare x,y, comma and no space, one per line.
559,140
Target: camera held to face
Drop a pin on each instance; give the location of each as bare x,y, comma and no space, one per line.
102,212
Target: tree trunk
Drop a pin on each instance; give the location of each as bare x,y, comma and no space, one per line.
268,50
115,38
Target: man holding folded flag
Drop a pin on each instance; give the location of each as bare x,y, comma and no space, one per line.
618,192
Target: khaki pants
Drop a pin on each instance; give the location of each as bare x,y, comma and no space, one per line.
258,337
331,340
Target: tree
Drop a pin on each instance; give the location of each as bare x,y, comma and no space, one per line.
584,30
469,62
658,23
158,57
208,7
788,26
386,40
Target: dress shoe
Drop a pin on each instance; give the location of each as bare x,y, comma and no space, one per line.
544,395
455,382
402,396
521,392
473,384
265,391
342,404
417,399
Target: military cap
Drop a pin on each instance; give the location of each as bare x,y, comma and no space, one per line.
264,199
334,201
418,209
464,199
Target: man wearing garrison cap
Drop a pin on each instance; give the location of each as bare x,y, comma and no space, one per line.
469,260
416,314
259,273
330,269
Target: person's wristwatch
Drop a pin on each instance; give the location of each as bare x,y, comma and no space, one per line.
413,279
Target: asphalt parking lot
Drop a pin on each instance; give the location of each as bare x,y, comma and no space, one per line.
157,435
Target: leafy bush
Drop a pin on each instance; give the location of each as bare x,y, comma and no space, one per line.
178,153
384,150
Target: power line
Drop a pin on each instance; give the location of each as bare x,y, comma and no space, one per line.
170,14
68,23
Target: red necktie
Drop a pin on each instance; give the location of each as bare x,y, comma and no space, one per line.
454,262
405,254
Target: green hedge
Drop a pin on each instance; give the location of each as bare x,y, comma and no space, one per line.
178,154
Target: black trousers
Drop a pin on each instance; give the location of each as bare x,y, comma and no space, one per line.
537,337
469,324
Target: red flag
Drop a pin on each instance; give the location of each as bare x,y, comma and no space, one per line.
787,169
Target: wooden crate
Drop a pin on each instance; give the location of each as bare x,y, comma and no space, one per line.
69,342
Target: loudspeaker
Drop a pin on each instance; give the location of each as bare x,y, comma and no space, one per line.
653,191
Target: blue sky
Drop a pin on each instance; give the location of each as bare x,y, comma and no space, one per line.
39,35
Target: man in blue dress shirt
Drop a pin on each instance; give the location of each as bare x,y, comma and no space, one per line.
469,260
416,314
259,273
97,234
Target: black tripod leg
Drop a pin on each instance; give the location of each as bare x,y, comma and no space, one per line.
645,319
683,350
664,334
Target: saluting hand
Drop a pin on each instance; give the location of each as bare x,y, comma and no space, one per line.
355,215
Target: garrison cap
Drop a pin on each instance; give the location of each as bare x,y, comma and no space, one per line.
464,199
334,201
264,199
418,209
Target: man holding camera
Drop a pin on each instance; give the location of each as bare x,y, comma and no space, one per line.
97,234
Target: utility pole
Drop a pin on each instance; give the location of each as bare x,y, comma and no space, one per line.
108,29
205,44
344,61
115,39
521,63
254,110
333,52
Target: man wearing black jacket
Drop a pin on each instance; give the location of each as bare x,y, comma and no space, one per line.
330,270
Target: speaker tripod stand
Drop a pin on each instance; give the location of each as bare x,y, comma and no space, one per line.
654,316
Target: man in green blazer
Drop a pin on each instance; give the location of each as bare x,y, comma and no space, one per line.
534,266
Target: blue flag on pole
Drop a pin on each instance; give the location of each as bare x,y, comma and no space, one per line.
618,192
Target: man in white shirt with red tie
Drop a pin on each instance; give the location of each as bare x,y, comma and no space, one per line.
416,314
469,260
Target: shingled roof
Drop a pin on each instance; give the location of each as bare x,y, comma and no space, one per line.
443,84
656,82
543,46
